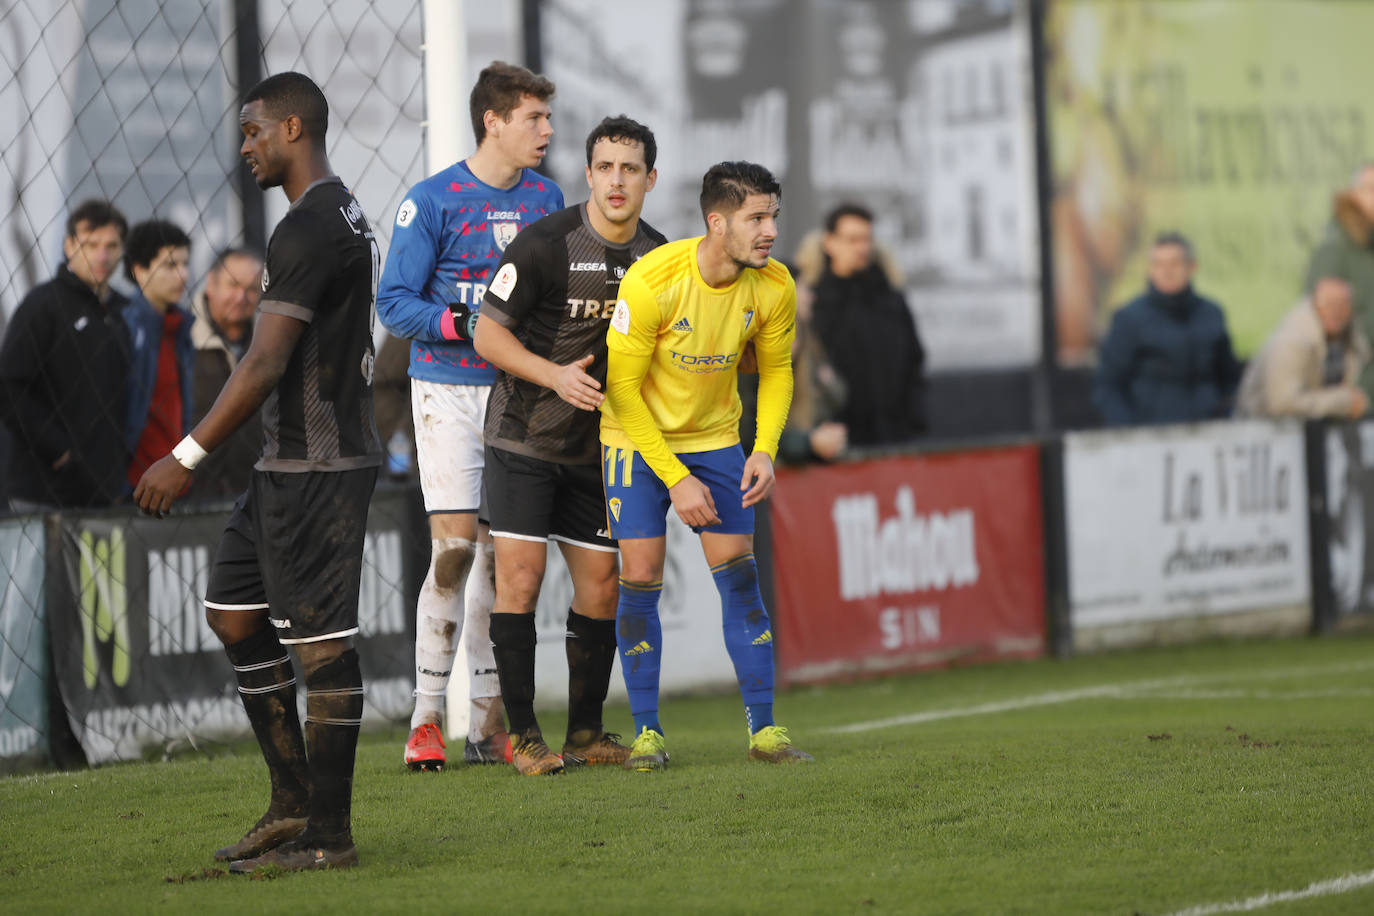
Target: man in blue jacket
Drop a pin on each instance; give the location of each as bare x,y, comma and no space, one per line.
162,364
448,238
1167,357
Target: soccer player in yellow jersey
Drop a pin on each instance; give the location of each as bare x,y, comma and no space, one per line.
670,435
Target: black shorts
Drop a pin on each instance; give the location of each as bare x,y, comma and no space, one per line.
293,546
530,499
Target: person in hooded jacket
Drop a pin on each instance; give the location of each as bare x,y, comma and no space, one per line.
1346,251
1167,357
869,335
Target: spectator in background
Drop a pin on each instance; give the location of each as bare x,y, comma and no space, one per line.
1310,366
869,336
818,393
64,364
220,333
1347,251
162,360
1167,357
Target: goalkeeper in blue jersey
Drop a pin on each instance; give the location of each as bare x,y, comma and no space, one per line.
449,234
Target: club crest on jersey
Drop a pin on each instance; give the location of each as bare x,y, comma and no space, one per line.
504,233
614,504
748,318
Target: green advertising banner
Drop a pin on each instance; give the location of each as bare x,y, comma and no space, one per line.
1232,121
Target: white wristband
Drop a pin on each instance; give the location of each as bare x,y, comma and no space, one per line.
188,453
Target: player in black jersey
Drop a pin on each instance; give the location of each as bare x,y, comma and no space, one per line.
288,567
543,322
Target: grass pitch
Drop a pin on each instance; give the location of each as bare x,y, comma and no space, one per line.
1145,782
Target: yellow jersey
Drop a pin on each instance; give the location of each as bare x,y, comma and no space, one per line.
674,348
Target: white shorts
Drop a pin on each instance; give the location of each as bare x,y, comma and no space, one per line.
448,442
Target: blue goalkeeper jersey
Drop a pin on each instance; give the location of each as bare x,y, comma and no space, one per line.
448,238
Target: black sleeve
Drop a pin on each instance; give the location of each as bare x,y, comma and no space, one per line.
24,410
520,284
301,263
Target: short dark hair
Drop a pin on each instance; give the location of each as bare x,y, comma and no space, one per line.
232,252
622,128
832,219
149,237
96,213
1173,237
286,94
725,186
500,87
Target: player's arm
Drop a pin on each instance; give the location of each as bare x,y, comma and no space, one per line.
773,353
274,340
402,304
299,270
500,347
519,287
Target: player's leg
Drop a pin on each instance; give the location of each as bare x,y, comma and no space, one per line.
486,739
312,532
729,550
449,479
438,629
520,497
583,535
637,503
236,610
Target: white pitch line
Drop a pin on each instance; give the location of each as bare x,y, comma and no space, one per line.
1342,885
1189,694
1099,691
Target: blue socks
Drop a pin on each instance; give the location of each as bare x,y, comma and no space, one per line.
748,636
639,640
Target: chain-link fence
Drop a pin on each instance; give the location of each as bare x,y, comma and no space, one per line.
136,102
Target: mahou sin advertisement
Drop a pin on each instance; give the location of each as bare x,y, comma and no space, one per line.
909,562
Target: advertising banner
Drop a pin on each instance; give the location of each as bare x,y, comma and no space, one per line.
904,563
1232,121
23,648
137,664
1348,452
1185,521
919,111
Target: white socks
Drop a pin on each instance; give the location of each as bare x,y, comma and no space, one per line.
487,713
439,624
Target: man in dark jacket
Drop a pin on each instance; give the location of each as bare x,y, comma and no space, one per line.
1167,357
63,367
221,333
162,360
867,330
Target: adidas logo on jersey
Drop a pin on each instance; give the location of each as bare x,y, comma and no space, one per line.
683,325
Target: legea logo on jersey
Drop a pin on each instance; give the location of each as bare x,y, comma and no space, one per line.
703,362
504,233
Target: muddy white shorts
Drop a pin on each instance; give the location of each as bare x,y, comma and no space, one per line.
448,441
